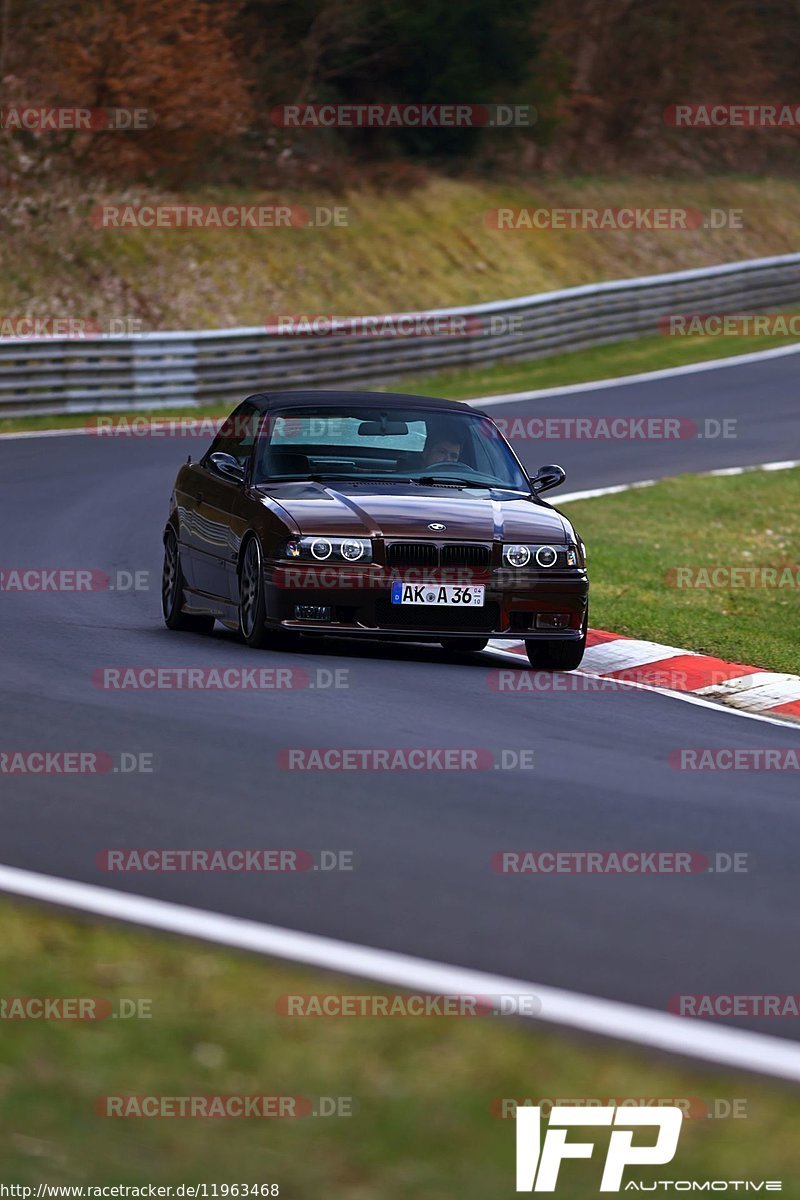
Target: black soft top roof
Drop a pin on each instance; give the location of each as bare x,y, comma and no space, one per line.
266,401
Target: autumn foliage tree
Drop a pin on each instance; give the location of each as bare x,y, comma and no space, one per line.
616,65
177,59
599,72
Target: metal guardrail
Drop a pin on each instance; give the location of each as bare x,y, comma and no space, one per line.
60,375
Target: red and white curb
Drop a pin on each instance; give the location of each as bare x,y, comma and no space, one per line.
671,669
699,678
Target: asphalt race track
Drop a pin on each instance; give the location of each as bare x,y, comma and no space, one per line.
422,840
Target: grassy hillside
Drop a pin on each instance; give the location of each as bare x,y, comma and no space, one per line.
421,248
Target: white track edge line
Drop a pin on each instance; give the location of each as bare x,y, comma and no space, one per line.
593,385
42,433
787,464
742,1049
688,697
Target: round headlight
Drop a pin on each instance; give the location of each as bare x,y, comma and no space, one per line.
352,551
321,548
518,556
546,556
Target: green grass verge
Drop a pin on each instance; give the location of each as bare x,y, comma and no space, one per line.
422,1089
580,366
636,538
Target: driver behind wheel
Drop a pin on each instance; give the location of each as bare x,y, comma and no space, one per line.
441,447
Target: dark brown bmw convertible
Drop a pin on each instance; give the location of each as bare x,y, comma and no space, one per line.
372,514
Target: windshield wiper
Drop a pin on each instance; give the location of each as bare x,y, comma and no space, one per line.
427,480
289,479
316,478
367,478
421,481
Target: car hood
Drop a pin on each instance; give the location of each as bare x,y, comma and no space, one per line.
406,511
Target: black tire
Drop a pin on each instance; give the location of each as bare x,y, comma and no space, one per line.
252,607
556,654
464,645
172,585
252,611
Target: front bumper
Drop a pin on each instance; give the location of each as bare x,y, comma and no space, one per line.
358,602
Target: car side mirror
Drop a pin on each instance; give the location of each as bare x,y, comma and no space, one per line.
548,477
227,465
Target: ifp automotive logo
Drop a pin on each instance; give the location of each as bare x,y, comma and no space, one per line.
538,1161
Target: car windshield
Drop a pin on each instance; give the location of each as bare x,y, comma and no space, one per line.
411,445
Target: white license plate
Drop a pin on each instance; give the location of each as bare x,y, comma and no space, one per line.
460,596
